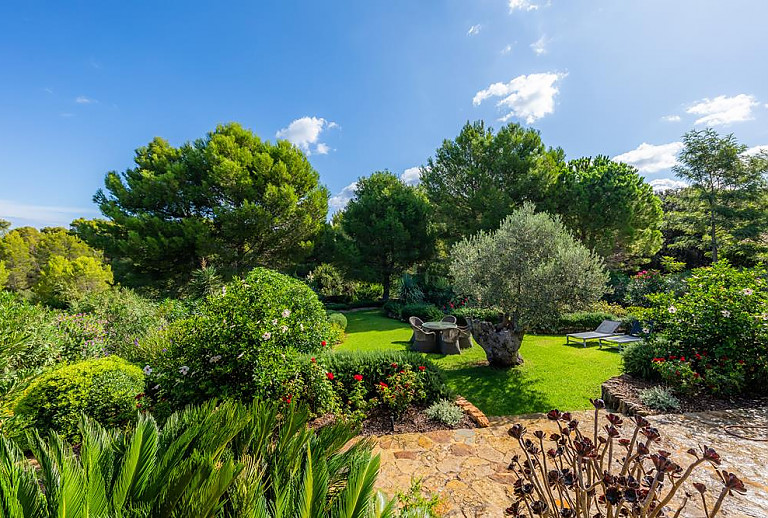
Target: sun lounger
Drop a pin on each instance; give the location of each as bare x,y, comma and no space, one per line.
606,329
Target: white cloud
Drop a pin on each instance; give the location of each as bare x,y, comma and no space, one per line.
21,214
339,200
723,110
522,5
81,99
649,158
507,49
665,184
756,150
539,46
411,176
528,97
475,29
671,118
305,133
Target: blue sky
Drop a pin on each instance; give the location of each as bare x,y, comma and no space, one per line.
363,86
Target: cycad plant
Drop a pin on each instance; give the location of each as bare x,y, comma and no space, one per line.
222,460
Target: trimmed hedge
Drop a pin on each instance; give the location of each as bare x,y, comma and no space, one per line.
104,389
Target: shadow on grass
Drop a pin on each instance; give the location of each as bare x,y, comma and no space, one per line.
497,391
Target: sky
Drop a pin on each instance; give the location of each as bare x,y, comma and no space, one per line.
363,86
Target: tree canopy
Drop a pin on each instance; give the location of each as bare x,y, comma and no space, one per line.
475,180
230,198
530,269
610,208
386,228
54,265
724,209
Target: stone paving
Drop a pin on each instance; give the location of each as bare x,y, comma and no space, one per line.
468,468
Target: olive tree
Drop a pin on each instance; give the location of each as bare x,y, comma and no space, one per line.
530,269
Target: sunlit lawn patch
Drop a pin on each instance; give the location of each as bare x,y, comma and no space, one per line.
553,375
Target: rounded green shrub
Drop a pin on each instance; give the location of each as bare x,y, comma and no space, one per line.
104,389
242,342
339,319
638,358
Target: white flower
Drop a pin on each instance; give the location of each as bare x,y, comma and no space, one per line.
267,335
147,370
747,291
764,316
240,355
286,313
301,326
726,313
646,330
284,329
672,309
183,370
156,387
274,322
214,359
223,290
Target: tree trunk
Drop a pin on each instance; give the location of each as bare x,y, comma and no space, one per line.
501,346
714,238
386,284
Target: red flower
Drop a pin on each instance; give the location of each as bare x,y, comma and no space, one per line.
682,358
451,304
139,395
358,377
421,368
672,357
322,343
698,356
741,362
329,375
695,374
383,384
394,366
287,399
313,360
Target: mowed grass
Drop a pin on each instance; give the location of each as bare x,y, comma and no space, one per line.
553,376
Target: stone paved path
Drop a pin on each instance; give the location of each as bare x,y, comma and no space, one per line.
468,468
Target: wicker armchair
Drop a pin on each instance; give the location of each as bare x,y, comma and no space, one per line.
424,341
449,318
450,342
415,322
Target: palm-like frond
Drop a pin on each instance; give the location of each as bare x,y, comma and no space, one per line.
213,460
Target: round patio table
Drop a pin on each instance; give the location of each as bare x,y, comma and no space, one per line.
439,327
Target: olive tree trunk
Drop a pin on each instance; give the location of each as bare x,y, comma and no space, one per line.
501,344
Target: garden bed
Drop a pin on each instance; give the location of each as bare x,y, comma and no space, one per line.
621,393
413,421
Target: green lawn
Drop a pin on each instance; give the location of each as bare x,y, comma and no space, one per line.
553,376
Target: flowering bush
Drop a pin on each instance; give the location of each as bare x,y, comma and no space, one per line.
243,342
720,325
678,373
400,390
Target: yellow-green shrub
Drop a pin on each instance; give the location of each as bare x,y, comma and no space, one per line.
104,389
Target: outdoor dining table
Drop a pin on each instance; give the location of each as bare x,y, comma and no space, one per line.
438,328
